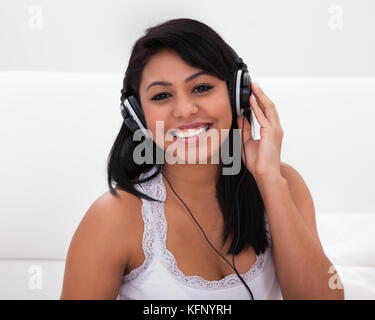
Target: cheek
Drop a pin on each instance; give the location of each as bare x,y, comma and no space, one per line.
155,123
151,117
229,116
224,110
224,114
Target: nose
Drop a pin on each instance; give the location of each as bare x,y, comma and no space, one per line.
184,107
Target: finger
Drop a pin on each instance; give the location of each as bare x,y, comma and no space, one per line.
261,118
265,103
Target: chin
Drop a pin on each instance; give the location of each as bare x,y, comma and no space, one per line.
197,156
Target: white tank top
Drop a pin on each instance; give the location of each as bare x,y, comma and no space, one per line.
159,277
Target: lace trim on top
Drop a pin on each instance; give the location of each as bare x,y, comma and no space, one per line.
147,239
170,262
156,189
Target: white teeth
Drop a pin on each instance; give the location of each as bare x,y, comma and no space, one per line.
190,132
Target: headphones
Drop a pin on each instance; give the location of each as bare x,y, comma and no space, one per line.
239,93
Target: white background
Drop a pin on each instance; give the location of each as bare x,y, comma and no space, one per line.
61,70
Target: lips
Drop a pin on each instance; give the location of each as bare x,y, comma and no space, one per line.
193,138
195,125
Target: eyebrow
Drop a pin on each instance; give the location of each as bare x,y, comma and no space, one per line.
189,78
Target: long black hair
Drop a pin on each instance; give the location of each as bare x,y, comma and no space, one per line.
199,46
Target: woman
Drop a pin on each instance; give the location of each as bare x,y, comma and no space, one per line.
170,230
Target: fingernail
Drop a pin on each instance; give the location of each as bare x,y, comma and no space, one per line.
257,85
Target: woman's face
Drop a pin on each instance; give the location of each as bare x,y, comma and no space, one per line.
183,101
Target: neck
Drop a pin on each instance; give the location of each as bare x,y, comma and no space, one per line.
193,183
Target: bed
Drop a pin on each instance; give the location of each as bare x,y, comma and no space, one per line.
56,132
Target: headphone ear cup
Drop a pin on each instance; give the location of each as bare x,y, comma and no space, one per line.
245,91
128,120
133,115
131,124
137,109
232,93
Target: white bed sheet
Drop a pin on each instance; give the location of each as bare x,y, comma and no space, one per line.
348,240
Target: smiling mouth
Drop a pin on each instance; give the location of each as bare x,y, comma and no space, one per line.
189,133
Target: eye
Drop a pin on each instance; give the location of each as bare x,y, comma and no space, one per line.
203,86
158,96
161,95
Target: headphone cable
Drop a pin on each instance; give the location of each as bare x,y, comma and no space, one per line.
238,220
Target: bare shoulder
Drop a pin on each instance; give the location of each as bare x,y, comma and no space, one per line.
101,247
114,210
296,183
113,217
302,197
287,170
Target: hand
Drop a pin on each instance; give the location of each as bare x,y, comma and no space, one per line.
263,155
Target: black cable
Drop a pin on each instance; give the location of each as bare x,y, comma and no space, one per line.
237,239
